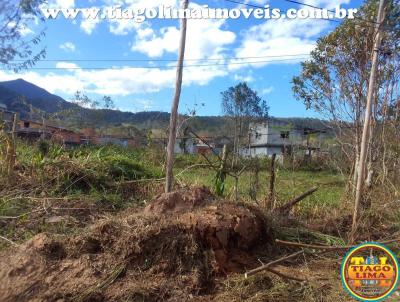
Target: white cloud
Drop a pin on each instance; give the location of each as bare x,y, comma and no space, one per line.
155,46
61,3
54,83
22,28
206,38
124,26
114,82
243,78
267,90
66,65
68,47
273,39
88,25
24,31
276,38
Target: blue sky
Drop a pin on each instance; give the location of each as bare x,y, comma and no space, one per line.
213,41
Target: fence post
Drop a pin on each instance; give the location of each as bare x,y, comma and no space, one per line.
271,195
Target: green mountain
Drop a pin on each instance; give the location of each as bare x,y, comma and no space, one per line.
19,94
31,101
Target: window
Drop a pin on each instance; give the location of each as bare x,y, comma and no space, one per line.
26,124
284,134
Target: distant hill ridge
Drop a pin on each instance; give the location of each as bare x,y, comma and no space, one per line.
35,95
19,95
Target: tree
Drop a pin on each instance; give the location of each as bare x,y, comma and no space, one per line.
16,51
175,104
86,112
108,102
335,80
242,105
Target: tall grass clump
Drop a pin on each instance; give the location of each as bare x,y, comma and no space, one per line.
64,170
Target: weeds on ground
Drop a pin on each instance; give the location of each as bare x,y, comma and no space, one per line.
57,189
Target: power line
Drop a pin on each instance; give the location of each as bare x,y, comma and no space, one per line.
166,60
164,66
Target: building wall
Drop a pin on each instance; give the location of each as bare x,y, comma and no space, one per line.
190,146
69,137
30,124
261,151
272,137
271,133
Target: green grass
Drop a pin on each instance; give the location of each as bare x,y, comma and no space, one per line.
50,176
94,176
289,184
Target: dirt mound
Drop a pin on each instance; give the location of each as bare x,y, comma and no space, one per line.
181,201
137,260
231,231
138,257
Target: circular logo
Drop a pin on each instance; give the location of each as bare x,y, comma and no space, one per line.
370,272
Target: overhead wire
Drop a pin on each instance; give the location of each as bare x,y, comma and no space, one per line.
164,66
168,60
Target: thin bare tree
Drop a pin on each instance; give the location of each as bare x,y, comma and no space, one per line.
367,122
175,104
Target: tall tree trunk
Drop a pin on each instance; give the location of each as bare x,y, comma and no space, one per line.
367,119
175,104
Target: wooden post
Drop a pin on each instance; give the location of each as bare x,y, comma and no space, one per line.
271,195
175,105
12,152
367,120
308,149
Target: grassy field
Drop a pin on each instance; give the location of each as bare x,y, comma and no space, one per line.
60,190
95,179
289,184
65,191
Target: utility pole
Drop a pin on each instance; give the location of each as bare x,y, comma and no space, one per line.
175,104
367,120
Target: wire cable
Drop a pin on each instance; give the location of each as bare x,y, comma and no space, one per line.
164,66
166,60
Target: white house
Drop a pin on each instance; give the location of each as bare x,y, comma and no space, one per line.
272,137
185,145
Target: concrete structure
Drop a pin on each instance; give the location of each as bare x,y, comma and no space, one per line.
272,137
34,130
185,145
